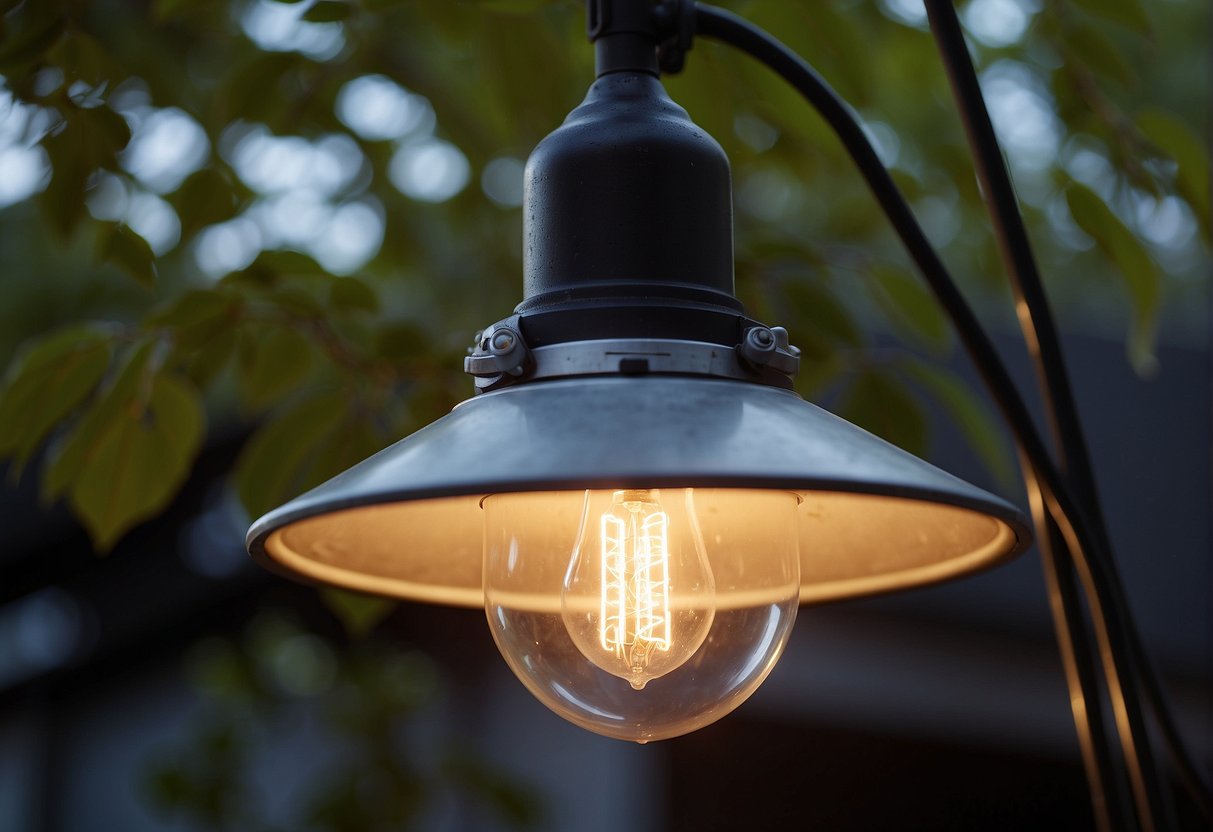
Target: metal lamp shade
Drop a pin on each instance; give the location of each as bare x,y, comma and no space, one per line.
407,522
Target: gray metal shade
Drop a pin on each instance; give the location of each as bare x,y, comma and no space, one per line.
407,521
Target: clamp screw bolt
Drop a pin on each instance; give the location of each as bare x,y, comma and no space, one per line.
502,341
763,337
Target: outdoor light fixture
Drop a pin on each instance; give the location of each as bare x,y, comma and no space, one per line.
635,494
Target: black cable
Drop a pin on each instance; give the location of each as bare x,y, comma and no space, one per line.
726,27
1040,332
1068,513
1044,347
1074,645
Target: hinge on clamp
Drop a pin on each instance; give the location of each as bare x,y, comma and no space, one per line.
768,347
499,351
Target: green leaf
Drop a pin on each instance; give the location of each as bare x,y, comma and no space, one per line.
272,363
357,613
1134,263
328,11
202,325
1172,136
102,132
1128,13
87,140
137,460
196,317
82,58
166,9
881,404
46,385
353,442
1095,49
209,358
79,445
119,245
270,469
63,199
513,6
819,309
977,424
349,293
817,375
287,273
205,198
910,307
401,339
243,95
297,301
29,44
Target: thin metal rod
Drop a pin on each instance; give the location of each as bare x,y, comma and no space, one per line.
1067,512
1040,333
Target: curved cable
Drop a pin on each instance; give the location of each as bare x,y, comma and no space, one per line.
1077,658
1040,332
1040,335
724,26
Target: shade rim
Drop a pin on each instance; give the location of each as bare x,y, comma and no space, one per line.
1013,538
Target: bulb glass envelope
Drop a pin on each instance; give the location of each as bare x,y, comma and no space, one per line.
408,521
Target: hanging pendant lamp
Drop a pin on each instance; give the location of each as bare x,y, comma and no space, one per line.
635,494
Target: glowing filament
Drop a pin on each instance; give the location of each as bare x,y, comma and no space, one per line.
634,615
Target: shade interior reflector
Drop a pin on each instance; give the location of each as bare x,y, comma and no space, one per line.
431,549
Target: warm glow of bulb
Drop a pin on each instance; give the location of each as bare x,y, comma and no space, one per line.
638,601
634,617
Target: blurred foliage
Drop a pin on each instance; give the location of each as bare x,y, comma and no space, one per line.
363,715
124,344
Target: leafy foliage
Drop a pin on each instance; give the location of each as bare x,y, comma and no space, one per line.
1134,264
130,327
279,680
46,385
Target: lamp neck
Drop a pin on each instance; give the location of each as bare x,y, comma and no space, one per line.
624,33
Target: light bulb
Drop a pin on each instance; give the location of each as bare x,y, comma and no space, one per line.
618,599
641,614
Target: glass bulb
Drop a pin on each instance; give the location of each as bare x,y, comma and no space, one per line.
641,614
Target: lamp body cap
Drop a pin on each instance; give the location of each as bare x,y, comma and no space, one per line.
628,191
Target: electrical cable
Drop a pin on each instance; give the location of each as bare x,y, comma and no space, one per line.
722,25
1069,514
1044,348
1103,776
1078,662
1040,332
